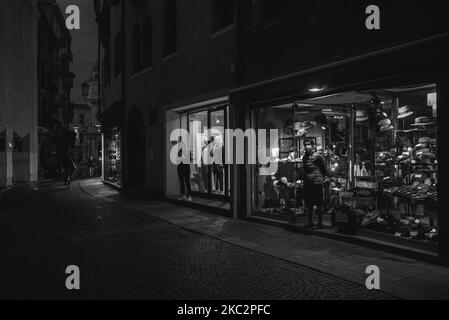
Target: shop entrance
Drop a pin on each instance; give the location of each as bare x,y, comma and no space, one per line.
136,149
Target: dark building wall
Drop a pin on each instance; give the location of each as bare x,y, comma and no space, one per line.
301,34
201,66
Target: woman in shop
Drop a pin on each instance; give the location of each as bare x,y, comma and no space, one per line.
314,174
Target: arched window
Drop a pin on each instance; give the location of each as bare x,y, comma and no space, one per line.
147,42
137,49
171,28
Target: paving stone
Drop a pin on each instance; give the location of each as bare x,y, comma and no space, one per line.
130,255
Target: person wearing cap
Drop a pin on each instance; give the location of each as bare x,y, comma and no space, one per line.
314,173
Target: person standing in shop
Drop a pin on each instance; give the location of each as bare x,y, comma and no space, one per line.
184,170
314,174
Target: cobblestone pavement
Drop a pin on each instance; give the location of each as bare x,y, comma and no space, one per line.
127,254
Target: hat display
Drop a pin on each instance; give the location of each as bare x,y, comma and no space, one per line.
385,125
421,151
404,112
422,121
424,140
385,122
302,132
306,124
297,126
386,129
361,115
370,218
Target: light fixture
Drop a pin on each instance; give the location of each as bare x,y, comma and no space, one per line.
316,89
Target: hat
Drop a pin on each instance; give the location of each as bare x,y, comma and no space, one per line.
295,126
422,121
306,124
361,115
385,123
404,112
370,218
421,151
424,140
302,132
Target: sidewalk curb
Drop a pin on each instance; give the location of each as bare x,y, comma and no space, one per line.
11,187
1,194
18,185
240,245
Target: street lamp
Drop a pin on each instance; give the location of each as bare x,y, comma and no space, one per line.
85,89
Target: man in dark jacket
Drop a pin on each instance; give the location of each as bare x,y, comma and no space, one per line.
314,175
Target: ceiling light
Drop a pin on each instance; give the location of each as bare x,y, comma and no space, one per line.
316,89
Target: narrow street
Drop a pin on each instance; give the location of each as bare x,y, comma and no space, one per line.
128,254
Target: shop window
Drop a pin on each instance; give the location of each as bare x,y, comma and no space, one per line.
209,179
170,28
379,149
147,42
223,14
137,49
112,157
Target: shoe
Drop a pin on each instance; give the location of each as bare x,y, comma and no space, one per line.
183,198
189,198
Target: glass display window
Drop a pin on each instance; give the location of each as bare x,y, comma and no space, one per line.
380,152
209,179
112,158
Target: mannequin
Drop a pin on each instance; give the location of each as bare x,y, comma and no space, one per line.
184,171
314,173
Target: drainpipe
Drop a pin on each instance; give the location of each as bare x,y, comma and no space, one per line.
123,134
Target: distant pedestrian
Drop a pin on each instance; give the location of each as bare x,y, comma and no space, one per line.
91,166
69,169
